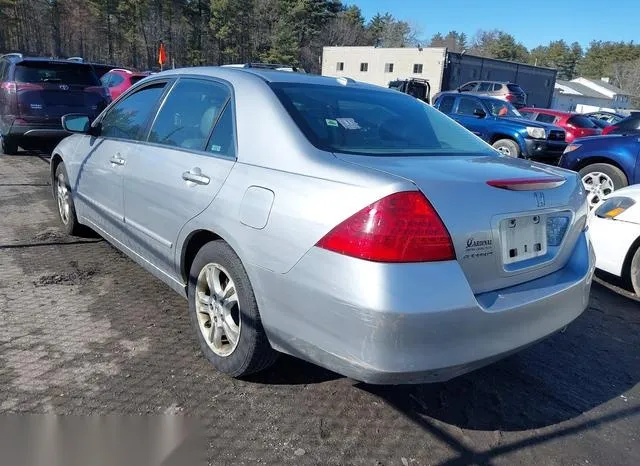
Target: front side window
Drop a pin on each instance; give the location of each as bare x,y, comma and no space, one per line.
468,87
364,66
374,122
388,68
485,87
417,68
129,116
188,114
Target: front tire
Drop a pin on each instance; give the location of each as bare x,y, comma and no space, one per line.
64,200
224,313
9,146
507,147
600,180
634,272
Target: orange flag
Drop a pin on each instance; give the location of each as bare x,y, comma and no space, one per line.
162,54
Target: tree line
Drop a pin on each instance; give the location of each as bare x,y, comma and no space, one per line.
199,32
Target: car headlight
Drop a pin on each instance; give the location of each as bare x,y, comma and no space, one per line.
614,206
536,133
571,147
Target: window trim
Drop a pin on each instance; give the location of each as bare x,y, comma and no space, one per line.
170,82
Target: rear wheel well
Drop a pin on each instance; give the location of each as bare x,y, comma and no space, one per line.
191,247
605,160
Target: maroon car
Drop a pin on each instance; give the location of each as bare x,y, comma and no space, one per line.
36,92
575,125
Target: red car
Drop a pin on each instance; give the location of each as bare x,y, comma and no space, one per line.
575,125
119,80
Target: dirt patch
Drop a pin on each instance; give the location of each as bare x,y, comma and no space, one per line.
77,276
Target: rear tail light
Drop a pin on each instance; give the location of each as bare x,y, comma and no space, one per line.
402,227
510,97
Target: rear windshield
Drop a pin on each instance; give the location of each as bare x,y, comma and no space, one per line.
63,73
581,121
515,88
374,122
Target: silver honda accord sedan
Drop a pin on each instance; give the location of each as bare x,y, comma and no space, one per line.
345,224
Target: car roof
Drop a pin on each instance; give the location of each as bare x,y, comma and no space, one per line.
271,76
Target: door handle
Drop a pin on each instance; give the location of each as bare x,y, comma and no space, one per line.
195,176
117,160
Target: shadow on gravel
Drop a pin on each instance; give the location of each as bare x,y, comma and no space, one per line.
292,371
593,362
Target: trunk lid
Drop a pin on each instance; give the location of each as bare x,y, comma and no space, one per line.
477,214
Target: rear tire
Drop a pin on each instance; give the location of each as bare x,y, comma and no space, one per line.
9,146
242,347
507,147
634,272
601,179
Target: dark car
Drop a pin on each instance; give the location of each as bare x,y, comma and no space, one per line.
502,126
36,92
630,125
610,118
576,125
605,163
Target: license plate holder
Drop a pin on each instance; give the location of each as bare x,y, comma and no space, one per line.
523,238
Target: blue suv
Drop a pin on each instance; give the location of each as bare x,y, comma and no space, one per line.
500,124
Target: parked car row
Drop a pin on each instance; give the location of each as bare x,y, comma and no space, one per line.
35,92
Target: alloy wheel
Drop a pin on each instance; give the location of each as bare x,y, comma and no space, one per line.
62,196
598,185
218,309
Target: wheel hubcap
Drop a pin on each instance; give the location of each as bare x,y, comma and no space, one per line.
62,195
598,185
504,150
218,309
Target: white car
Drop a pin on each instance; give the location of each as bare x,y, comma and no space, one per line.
615,232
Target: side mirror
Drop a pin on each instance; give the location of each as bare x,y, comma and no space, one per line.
76,123
479,113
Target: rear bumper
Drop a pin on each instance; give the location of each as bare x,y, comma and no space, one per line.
411,323
37,131
544,148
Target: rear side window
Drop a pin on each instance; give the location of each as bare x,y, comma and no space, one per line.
485,87
515,88
129,116
467,105
497,87
222,140
373,122
50,72
581,121
188,114
526,114
544,118
445,104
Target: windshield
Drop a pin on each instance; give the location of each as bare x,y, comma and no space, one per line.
499,108
63,73
374,122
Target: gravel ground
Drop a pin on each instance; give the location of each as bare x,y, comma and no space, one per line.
83,330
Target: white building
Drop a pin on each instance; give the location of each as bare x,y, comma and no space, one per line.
588,95
381,65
